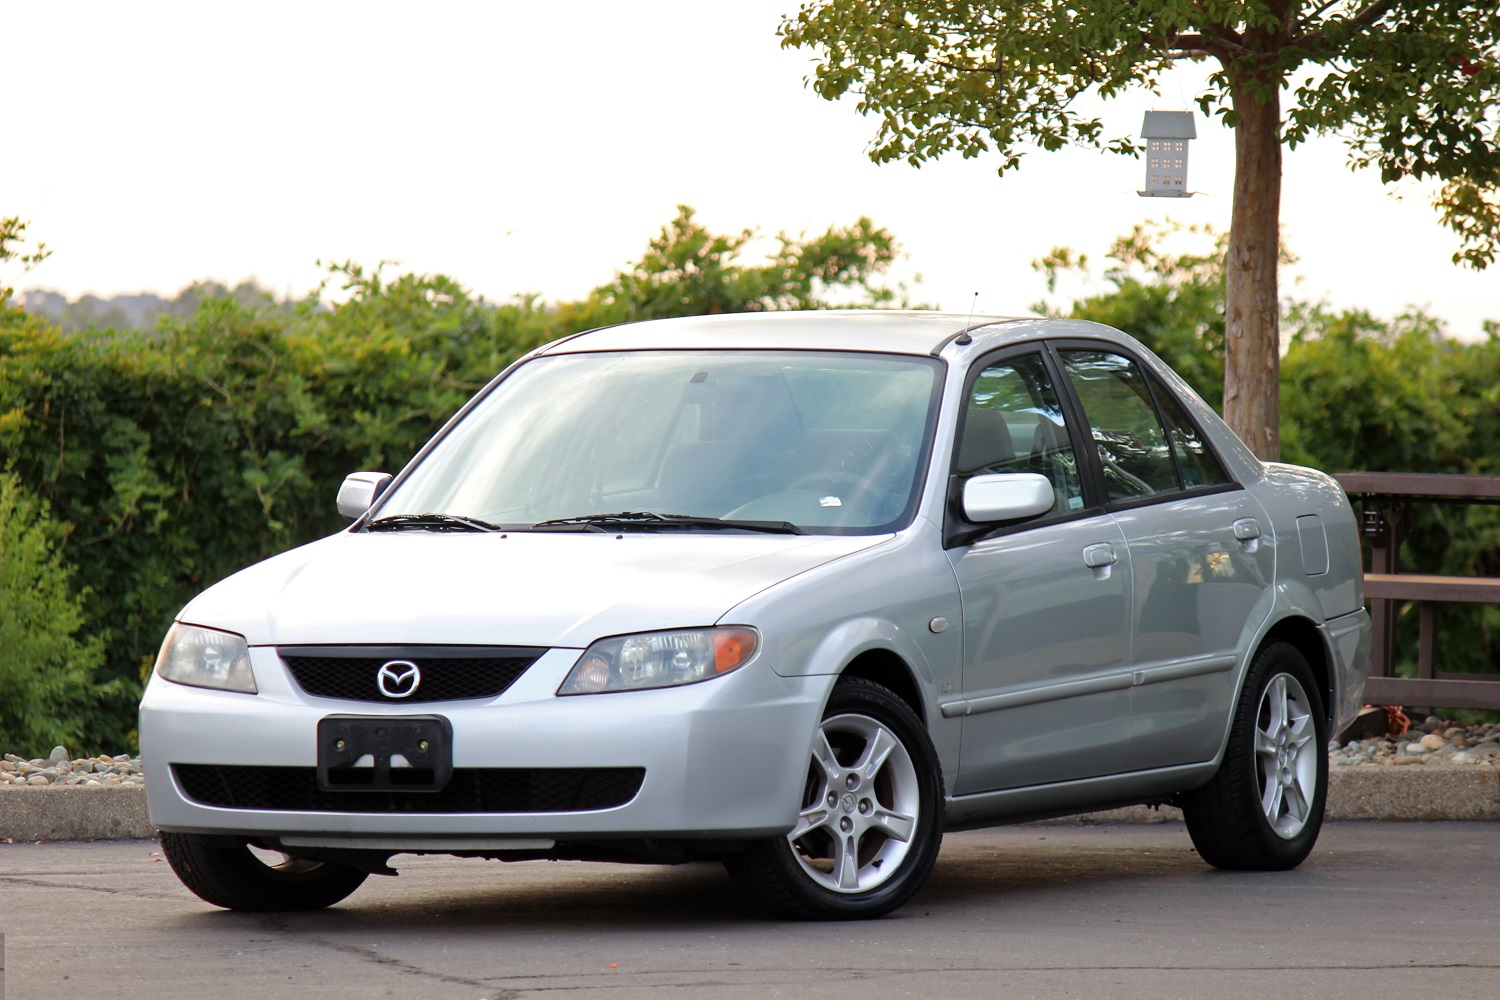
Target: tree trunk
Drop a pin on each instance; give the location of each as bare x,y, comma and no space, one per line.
1252,335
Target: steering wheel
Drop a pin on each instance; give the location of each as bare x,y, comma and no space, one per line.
834,479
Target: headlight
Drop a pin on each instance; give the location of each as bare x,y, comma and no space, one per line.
659,659
204,657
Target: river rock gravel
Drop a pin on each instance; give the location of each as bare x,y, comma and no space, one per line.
1435,742
60,768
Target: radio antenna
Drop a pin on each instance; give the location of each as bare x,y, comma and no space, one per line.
964,338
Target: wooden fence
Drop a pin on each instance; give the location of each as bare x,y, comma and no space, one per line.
1385,500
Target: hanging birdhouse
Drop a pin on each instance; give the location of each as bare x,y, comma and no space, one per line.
1167,134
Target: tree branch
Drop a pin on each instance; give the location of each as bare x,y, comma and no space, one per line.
1176,54
1223,32
1319,12
1372,13
1298,32
1363,20
1216,44
945,64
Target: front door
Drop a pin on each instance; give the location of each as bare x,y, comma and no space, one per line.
1046,680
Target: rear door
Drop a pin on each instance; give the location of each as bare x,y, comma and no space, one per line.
1199,548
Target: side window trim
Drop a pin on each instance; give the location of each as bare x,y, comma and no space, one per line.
1158,386
1095,494
1115,506
1152,391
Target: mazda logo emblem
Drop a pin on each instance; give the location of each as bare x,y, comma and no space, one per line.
398,679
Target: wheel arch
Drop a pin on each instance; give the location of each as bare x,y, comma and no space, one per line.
890,670
1303,635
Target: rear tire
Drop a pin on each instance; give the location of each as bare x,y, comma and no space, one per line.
1263,810
232,876
869,825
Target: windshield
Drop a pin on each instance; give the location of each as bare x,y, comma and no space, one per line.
820,441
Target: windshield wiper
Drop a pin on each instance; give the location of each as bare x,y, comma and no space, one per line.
430,522
651,519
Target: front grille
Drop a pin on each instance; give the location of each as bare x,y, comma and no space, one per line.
449,673
470,790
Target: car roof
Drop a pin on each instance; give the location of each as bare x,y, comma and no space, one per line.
879,330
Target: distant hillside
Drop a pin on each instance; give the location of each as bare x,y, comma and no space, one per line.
138,311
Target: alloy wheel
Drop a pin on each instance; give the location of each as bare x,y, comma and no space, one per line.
1286,750
860,811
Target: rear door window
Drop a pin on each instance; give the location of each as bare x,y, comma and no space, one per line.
1132,444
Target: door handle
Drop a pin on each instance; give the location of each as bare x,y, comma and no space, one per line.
1099,556
1247,529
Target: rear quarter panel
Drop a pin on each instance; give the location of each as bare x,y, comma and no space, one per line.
1331,575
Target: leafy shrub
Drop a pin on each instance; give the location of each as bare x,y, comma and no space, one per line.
46,669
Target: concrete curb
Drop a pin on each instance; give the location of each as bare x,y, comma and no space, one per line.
1368,792
74,812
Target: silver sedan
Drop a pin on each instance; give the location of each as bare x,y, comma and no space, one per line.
795,592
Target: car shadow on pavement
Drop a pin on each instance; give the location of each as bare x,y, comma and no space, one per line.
1023,865
466,896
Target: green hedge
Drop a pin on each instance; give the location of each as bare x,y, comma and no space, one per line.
175,456
138,467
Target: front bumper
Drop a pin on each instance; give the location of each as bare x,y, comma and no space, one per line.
725,758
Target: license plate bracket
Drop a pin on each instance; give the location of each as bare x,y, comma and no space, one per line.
377,753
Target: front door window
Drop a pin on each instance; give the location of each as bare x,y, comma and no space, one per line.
1014,423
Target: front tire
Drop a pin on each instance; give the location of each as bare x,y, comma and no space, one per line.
869,825
232,876
1263,809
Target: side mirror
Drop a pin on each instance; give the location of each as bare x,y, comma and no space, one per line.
360,490
1007,497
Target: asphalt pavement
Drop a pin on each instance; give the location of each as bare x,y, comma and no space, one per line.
1108,911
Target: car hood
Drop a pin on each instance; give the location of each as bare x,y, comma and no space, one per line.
519,588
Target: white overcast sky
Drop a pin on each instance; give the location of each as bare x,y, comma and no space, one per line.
529,147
